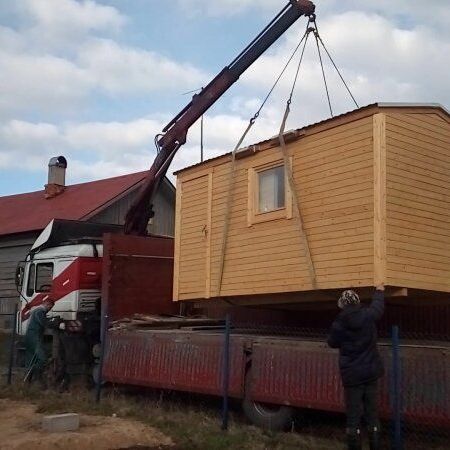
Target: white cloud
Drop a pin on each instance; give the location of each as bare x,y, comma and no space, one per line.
36,83
63,16
112,138
101,149
49,83
24,145
55,61
380,62
23,135
121,69
226,7
433,13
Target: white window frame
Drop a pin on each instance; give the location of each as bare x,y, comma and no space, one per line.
254,216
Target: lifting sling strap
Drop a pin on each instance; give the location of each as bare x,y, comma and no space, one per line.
311,28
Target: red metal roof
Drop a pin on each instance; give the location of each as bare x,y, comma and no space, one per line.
32,211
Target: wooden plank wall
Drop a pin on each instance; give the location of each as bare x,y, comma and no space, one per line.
13,249
333,172
192,239
418,200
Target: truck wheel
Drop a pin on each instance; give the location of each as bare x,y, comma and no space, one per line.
264,415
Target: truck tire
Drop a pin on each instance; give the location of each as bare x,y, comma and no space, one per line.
264,415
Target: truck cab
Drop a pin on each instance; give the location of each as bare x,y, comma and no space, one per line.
70,275
65,265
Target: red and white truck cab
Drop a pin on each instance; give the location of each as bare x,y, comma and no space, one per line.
64,264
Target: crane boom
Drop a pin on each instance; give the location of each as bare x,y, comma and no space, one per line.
175,132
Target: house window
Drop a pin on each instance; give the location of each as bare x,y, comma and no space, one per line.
44,277
271,189
269,196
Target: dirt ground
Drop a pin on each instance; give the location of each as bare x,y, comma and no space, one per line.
20,428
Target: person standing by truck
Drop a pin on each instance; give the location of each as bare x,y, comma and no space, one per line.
354,333
34,340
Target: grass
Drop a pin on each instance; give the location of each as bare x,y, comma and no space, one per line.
189,421
193,421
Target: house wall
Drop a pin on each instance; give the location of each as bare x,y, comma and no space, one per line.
418,200
163,222
334,175
13,249
164,206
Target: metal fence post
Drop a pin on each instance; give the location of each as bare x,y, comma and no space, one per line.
103,334
12,346
226,372
397,437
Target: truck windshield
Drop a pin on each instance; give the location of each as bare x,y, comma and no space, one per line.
40,278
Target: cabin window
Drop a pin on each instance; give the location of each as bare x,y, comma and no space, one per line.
44,277
269,196
31,279
271,189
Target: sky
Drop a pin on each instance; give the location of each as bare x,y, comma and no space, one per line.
95,81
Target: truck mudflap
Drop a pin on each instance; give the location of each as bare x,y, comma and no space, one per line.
177,360
306,375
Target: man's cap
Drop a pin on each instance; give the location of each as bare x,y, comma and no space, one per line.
348,297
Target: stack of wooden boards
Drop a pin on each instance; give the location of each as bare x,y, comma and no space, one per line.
142,321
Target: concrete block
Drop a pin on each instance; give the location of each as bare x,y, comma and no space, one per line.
58,423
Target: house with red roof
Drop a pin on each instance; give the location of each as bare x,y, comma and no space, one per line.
24,216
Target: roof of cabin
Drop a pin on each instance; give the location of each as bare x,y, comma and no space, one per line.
331,122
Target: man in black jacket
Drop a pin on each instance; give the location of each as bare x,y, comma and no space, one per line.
354,333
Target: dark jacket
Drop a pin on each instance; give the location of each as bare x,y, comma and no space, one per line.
354,333
37,321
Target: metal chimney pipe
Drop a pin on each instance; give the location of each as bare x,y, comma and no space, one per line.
56,176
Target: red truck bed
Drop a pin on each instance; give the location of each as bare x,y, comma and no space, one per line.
288,371
297,371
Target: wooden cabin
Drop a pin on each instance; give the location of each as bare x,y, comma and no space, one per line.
368,203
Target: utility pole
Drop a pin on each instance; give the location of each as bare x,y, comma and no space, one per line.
201,139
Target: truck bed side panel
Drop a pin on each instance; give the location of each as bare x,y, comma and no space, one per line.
184,361
137,275
306,374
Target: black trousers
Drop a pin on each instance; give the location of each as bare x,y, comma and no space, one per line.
362,399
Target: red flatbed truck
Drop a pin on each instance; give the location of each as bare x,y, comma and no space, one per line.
271,374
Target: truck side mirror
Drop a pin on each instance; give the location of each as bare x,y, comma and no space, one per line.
19,275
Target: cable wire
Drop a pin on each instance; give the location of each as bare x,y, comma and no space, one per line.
337,70
334,64
323,73
298,66
281,73
230,189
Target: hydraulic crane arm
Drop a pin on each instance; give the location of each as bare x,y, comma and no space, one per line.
175,131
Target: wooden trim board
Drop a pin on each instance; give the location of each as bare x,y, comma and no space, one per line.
379,199
176,261
208,237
